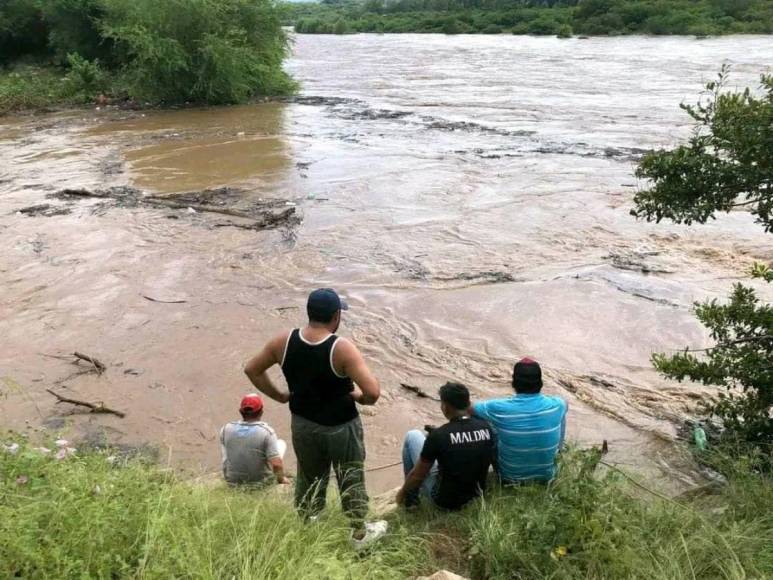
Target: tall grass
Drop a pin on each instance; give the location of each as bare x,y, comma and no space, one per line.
594,524
84,516
90,516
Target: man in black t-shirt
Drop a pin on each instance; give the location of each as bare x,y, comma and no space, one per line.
450,465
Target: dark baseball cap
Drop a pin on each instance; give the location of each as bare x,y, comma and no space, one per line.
527,374
324,303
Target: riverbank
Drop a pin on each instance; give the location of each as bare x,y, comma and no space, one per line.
95,513
56,54
592,18
31,89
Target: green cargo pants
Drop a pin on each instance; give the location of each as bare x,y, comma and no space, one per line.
318,448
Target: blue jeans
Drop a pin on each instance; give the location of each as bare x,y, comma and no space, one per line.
414,441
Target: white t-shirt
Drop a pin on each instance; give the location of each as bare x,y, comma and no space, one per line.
247,446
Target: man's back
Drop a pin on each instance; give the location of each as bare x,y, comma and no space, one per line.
530,429
464,449
247,447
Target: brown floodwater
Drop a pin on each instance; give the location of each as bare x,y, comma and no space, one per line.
470,195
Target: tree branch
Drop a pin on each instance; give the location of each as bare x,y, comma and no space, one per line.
730,343
94,407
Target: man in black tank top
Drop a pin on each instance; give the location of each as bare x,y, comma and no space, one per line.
326,376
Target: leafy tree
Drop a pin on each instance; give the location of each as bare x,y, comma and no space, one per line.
727,163
22,29
73,28
727,159
213,51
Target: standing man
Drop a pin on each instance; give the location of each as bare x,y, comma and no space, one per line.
326,376
530,426
450,465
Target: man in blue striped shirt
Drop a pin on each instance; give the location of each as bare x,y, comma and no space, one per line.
530,426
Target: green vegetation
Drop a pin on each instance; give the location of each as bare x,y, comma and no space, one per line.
89,515
562,18
726,164
177,51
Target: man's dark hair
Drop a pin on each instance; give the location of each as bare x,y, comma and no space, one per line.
319,317
456,395
250,415
527,377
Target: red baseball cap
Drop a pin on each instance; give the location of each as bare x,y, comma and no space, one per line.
251,403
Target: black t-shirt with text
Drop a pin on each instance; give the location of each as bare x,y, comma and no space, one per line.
464,448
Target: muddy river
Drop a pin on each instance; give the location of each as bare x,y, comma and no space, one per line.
469,194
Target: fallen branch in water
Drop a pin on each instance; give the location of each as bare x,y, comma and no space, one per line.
163,301
160,201
261,217
98,365
65,193
94,407
419,392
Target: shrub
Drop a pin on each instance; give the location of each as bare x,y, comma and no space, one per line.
544,25
210,51
73,27
22,30
451,26
492,29
86,78
31,88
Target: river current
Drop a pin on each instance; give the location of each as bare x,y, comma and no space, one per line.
470,195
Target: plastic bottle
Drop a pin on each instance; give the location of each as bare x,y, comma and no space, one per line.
699,435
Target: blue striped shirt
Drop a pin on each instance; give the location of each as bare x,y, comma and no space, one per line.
530,429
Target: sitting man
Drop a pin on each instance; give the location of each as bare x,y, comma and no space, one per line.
449,466
530,427
251,451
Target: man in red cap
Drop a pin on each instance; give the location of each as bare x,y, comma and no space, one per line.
252,453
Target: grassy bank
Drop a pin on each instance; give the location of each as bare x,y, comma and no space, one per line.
92,515
589,17
34,88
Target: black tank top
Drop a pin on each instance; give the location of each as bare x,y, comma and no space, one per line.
317,393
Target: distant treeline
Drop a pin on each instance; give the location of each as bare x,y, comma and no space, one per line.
160,51
546,17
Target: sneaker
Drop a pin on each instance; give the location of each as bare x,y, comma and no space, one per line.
373,531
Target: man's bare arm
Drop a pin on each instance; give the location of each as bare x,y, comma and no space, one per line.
414,479
354,366
277,466
256,368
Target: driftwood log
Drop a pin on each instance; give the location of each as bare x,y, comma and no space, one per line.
261,218
163,301
418,391
98,365
93,407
